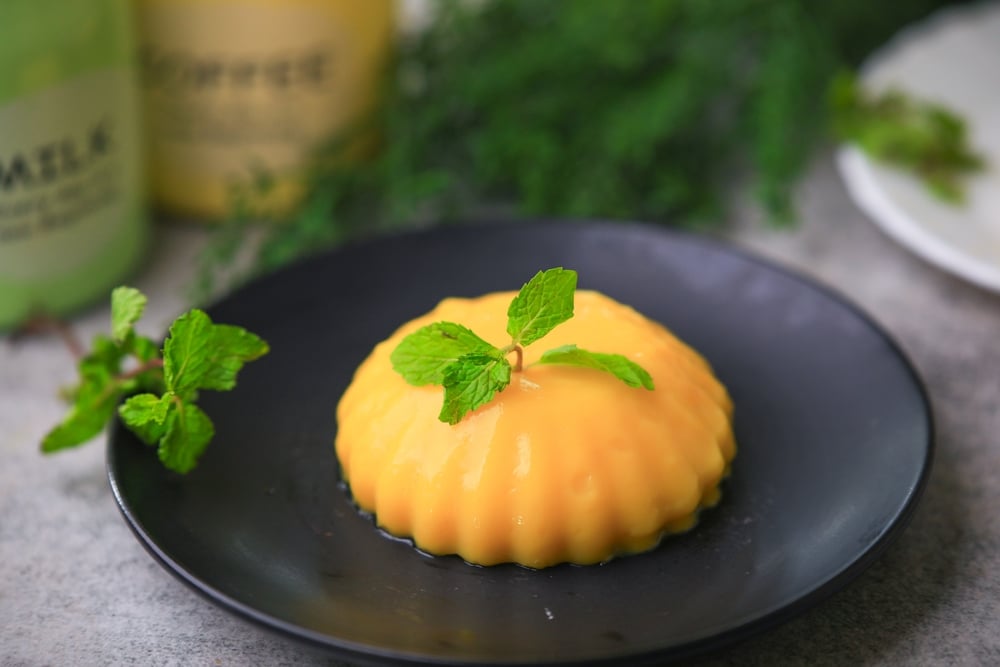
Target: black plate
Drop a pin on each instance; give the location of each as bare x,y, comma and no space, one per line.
833,426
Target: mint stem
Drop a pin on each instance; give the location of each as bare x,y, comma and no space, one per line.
518,365
42,323
141,368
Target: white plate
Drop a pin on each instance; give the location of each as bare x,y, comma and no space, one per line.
952,58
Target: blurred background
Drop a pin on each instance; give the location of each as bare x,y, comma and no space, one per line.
289,126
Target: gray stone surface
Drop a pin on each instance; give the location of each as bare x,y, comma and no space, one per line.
77,588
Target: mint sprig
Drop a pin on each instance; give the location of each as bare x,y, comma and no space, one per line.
197,355
472,371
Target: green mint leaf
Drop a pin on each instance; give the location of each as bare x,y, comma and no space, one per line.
233,347
93,399
127,304
201,355
187,353
188,432
421,357
472,382
180,430
143,348
542,304
93,405
621,367
146,416
103,362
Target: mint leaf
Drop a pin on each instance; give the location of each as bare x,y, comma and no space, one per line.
545,302
201,355
180,430
127,304
185,341
231,348
143,348
472,382
198,354
103,362
621,367
187,352
188,432
93,399
93,405
421,357
146,415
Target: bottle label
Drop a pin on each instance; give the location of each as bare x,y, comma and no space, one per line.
69,174
236,90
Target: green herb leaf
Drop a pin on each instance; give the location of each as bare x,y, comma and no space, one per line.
180,430
618,365
232,347
103,362
545,302
143,348
188,432
201,355
422,356
93,399
186,352
127,304
146,415
93,405
472,382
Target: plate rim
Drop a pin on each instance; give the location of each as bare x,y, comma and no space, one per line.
362,653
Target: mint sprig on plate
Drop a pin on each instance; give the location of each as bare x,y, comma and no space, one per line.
473,371
197,354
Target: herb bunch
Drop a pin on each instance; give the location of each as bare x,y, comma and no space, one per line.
642,110
472,371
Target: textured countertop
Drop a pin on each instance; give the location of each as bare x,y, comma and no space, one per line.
77,588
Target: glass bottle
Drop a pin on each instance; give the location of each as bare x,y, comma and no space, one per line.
72,203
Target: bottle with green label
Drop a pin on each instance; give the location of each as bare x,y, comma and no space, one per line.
73,218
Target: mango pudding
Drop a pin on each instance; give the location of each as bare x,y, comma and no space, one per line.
566,464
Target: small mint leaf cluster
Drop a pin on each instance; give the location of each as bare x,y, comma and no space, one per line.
473,371
197,355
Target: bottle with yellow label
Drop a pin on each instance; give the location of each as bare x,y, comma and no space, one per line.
72,199
238,88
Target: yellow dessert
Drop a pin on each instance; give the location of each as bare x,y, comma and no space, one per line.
566,464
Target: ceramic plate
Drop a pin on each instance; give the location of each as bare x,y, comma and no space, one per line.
951,59
834,441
